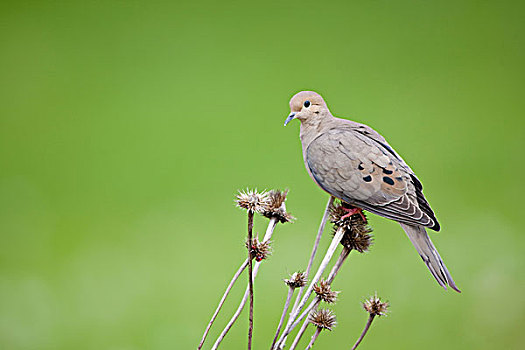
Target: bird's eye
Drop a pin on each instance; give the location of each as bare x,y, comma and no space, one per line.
306,104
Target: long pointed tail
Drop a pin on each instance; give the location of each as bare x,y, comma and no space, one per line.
419,238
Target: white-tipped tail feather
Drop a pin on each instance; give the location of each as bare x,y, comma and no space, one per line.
419,238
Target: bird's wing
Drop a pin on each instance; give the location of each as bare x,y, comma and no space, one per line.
359,167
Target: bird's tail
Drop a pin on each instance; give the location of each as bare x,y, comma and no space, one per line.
419,238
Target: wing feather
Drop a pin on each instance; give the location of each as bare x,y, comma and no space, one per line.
358,166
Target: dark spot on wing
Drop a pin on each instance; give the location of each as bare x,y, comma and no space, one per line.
360,167
388,172
367,178
388,180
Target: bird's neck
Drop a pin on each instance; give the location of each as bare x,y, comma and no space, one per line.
311,128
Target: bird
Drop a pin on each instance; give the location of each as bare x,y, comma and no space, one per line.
354,163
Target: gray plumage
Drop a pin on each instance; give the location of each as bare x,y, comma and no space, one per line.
354,163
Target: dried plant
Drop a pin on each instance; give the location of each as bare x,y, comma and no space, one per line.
357,231
375,307
324,263
297,280
221,303
276,208
259,250
351,230
355,235
322,319
325,293
254,202
253,206
315,247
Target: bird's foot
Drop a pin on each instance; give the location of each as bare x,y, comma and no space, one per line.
352,211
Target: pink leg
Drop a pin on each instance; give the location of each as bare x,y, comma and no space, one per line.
352,212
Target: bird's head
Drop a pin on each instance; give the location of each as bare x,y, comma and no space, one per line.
307,106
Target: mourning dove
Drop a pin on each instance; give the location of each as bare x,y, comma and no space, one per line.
352,162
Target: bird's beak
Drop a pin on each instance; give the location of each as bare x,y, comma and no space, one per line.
289,119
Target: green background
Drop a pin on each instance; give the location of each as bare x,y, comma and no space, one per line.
126,128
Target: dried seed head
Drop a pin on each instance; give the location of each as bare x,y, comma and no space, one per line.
358,241
375,307
323,318
357,232
338,213
325,292
252,200
260,250
297,280
276,207
276,198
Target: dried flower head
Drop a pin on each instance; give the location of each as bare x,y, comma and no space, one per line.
375,307
358,241
323,318
252,200
339,216
276,207
297,280
357,232
260,250
325,292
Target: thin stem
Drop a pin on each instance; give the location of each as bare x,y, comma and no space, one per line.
313,305
337,266
305,324
306,312
315,247
232,320
250,276
322,225
329,253
221,303
335,269
314,338
267,236
285,309
333,273
368,324
269,230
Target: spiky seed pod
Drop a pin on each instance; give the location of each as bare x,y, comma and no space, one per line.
276,207
276,198
338,213
358,241
253,201
260,250
357,232
375,307
325,292
323,318
297,280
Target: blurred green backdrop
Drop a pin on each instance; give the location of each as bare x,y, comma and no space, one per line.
128,126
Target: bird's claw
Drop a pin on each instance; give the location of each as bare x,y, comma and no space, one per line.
352,211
